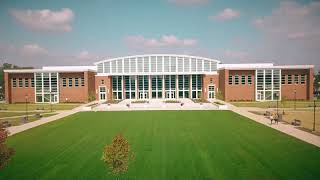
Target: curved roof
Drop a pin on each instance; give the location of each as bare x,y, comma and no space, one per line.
157,64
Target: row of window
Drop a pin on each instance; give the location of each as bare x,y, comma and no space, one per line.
146,64
22,82
240,79
70,82
293,79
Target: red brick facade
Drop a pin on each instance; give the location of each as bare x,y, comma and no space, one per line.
19,93
236,91
297,90
103,81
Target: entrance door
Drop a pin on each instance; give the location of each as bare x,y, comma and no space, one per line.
170,94
102,93
211,94
143,95
55,98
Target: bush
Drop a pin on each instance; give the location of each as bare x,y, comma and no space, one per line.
5,152
118,154
91,97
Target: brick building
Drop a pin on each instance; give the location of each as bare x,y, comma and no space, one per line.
159,76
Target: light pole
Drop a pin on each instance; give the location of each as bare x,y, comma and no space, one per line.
50,101
295,98
26,97
314,113
277,94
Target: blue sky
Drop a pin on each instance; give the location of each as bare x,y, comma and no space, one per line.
37,33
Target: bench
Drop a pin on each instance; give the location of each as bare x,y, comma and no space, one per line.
296,122
6,124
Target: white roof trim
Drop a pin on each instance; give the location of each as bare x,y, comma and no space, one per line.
144,55
261,66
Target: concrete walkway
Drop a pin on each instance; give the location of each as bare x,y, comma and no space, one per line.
285,128
155,104
16,129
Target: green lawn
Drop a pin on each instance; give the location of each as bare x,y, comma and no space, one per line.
167,144
47,107
273,104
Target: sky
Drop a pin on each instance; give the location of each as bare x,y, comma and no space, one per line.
41,33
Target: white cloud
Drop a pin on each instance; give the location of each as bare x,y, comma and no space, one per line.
45,19
226,14
164,41
85,55
189,2
292,20
236,54
290,33
33,50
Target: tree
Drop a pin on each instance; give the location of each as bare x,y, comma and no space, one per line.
118,154
316,82
5,152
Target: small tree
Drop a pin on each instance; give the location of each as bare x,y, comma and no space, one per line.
91,97
118,154
5,152
219,95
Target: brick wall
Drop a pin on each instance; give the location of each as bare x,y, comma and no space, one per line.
237,92
303,91
210,80
107,83
18,94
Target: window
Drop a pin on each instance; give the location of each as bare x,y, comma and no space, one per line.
76,82
283,79
102,82
296,79
303,79
211,81
32,82
26,82
20,82
64,82
70,82
236,79
82,81
289,79
14,82
243,79
230,80
249,79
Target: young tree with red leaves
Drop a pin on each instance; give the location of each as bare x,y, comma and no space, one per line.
118,155
5,152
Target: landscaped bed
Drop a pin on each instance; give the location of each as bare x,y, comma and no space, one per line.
167,145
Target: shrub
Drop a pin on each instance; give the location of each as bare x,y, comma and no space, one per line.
5,152
91,97
118,154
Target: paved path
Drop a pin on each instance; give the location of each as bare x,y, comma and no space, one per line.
285,128
16,129
155,104
29,115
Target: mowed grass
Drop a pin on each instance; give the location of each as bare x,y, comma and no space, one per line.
167,145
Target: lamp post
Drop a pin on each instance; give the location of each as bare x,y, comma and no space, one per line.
277,94
26,98
314,113
295,98
50,101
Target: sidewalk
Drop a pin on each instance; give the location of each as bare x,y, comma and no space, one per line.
285,128
16,129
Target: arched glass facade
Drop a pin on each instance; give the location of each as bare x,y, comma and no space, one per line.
157,76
